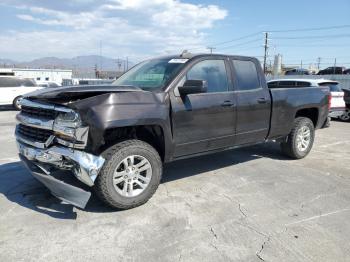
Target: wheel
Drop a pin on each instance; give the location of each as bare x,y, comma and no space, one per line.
16,104
130,175
300,139
345,116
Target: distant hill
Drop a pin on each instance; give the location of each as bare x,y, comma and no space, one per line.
79,63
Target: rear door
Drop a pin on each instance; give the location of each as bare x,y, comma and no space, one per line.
252,99
205,121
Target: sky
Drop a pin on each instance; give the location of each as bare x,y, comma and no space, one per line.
139,29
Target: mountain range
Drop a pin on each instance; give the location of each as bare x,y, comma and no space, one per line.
79,63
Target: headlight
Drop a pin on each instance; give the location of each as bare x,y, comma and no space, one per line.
69,119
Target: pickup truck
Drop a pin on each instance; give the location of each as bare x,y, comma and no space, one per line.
116,138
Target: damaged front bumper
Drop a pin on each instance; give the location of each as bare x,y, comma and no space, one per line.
43,163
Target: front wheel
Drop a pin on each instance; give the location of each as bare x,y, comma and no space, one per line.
130,175
300,139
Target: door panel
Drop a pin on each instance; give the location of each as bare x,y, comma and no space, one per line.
253,102
204,121
253,116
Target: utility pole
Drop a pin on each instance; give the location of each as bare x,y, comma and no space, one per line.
127,63
265,50
335,64
211,49
318,63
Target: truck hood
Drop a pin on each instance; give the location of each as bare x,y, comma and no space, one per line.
73,93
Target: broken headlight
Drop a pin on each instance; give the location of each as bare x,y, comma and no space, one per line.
68,119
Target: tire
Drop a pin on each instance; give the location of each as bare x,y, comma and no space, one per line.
345,116
15,103
119,157
295,149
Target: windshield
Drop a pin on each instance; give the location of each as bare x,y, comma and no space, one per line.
151,74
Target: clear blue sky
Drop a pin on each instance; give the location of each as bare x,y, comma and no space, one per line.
142,28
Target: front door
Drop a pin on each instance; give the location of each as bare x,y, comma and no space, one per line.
204,121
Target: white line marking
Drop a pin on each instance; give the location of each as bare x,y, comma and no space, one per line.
319,216
335,143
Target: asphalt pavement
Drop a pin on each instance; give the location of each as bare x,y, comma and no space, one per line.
250,204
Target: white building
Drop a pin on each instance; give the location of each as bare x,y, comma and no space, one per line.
41,76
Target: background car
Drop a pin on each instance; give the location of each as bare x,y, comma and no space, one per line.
333,70
13,88
49,85
297,71
347,72
337,103
346,115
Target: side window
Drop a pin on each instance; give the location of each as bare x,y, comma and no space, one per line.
246,74
303,84
287,84
272,84
212,71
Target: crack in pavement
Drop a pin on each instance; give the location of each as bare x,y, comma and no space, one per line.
258,254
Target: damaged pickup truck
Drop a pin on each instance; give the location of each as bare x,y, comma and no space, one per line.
116,138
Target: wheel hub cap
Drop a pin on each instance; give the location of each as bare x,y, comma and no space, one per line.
303,138
132,176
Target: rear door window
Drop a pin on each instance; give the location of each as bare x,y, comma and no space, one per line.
286,84
303,84
246,74
272,84
15,82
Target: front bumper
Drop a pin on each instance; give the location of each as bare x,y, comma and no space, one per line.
66,192
43,163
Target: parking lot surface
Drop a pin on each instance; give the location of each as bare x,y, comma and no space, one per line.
249,204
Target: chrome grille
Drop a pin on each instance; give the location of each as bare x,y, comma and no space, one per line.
35,134
39,112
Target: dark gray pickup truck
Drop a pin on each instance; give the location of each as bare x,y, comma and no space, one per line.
116,138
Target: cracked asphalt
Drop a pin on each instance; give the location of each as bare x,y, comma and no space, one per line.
250,204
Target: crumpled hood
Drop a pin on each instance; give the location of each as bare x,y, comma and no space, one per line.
72,93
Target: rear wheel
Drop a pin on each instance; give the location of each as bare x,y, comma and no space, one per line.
345,116
16,104
300,139
130,175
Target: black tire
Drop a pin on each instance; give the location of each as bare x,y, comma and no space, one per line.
104,187
290,147
15,103
346,116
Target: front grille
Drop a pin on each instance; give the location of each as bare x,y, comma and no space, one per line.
35,134
39,112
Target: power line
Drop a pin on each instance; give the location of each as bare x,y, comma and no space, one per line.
240,44
310,29
314,37
237,39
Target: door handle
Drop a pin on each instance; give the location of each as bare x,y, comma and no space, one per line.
227,103
262,100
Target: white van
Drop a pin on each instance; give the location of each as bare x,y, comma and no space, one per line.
13,88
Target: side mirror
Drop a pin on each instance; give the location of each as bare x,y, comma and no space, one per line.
193,87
